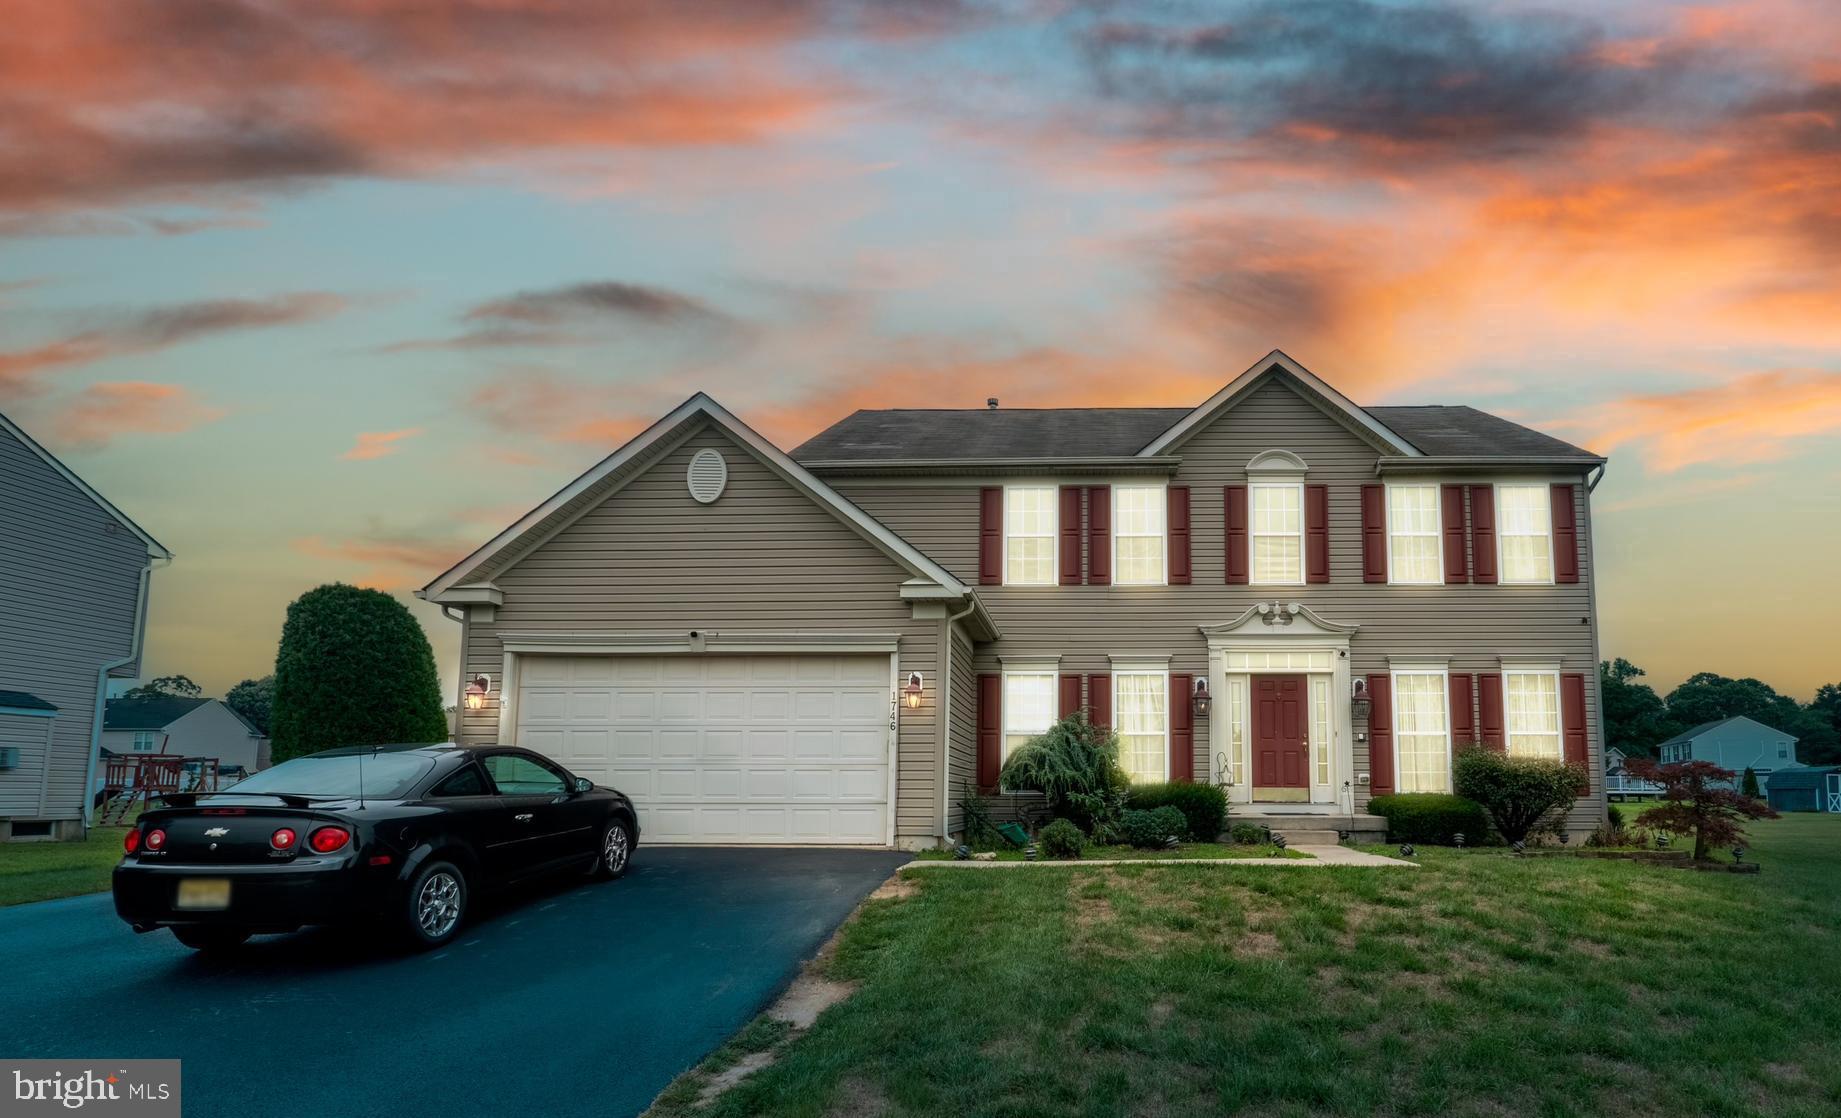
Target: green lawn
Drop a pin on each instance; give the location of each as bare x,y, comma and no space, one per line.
1481,984
39,871
1188,850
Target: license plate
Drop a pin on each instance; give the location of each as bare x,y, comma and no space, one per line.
203,892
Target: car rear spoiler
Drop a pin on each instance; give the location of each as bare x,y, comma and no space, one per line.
190,799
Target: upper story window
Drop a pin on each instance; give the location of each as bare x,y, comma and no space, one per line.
1029,707
1414,554
1533,701
1141,711
1138,513
145,741
1029,535
1525,533
1278,533
1422,728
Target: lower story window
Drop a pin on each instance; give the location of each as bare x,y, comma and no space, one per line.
1141,711
1029,707
1533,700
1422,729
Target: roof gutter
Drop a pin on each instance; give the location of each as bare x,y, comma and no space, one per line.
1505,462
899,467
102,683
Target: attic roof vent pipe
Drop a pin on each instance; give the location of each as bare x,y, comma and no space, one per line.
991,403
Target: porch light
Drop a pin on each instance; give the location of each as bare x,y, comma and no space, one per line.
1201,701
1360,705
911,694
477,691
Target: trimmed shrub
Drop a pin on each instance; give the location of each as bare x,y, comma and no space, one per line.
1430,818
1614,815
1521,795
1148,830
1247,834
354,668
1075,765
1204,806
1061,839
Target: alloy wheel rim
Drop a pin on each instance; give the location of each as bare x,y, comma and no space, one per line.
438,905
613,851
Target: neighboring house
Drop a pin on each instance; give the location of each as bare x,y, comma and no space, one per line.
185,728
74,575
1805,789
835,645
1737,743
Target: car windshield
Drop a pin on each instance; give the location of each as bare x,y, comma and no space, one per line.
383,776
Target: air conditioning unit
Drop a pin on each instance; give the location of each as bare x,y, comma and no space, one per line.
9,756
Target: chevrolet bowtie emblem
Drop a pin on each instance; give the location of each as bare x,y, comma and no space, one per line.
217,832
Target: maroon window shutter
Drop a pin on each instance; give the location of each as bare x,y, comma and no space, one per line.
1099,536
1565,535
1380,735
1572,716
1099,699
1316,533
1463,715
1489,710
1483,533
1179,535
1182,729
991,535
1070,535
990,728
1451,518
1374,533
1238,568
1070,695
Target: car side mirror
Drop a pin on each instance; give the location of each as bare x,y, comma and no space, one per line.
583,784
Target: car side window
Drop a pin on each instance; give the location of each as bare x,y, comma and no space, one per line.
520,776
469,781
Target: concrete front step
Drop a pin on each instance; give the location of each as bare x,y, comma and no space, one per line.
1316,830
1296,836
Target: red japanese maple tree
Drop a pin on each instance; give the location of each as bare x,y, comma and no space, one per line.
1698,796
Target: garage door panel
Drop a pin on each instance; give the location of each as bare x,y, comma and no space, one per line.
762,749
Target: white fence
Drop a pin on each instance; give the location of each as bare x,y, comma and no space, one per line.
1621,784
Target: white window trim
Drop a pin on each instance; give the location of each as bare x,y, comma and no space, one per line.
1164,674
153,741
1254,534
1502,569
1113,501
1054,533
1438,534
1443,672
1559,707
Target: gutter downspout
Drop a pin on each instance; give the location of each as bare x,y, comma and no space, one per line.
945,686
1591,560
102,686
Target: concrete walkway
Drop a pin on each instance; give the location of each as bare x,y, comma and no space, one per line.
1319,856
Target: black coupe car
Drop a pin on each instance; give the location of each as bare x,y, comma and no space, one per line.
398,834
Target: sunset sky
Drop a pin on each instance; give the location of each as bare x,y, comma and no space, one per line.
334,289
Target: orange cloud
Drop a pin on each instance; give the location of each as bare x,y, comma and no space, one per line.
378,444
1762,417
386,562
102,413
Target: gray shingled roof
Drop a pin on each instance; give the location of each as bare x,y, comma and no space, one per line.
964,434
147,714
23,700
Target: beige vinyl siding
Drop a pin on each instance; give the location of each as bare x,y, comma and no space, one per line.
763,557
962,745
1472,625
69,583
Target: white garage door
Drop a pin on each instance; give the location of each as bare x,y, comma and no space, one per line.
722,749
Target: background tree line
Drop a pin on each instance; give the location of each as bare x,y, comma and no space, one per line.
1636,719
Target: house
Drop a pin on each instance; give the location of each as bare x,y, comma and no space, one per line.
1306,601
74,578
1807,788
1737,743
183,727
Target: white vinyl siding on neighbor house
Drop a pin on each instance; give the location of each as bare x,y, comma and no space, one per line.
1028,707
145,741
1029,536
1533,705
1278,533
1414,554
1422,725
1524,532
1138,549
1141,714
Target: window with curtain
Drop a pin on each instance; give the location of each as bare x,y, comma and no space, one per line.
1320,726
1029,707
1141,714
1422,732
1138,534
1029,536
144,741
1237,729
1533,701
1413,534
1278,533
1524,529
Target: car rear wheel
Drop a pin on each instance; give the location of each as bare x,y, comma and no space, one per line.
211,938
615,851
435,904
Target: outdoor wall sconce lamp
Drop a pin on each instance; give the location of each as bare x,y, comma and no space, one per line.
477,691
911,694
1361,704
1201,701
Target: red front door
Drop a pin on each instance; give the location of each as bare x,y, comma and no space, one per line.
1281,749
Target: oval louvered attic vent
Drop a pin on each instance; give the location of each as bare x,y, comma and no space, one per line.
707,475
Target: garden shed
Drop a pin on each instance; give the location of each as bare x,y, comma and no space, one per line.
1805,789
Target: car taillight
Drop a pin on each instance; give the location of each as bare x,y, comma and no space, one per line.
328,839
156,839
131,841
282,839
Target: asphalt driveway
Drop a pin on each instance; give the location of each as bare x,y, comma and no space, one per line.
564,1000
